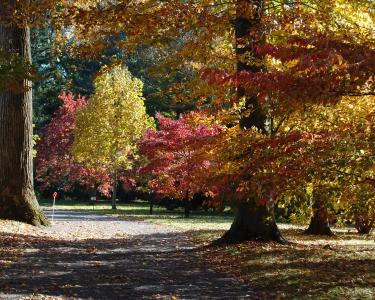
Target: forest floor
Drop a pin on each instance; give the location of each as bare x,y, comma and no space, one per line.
339,267
85,255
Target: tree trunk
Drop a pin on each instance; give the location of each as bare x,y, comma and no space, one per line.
17,196
246,21
253,222
319,224
363,217
187,206
151,206
364,228
114,190
187,209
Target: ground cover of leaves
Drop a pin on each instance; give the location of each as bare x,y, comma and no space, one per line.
339,267
313,267
92,256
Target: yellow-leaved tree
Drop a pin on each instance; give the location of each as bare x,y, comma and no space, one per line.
109,127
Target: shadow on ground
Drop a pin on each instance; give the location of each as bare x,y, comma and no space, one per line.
307,269
156,266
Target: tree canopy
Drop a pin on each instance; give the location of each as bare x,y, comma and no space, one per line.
273,75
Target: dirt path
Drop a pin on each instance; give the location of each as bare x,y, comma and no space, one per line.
89,256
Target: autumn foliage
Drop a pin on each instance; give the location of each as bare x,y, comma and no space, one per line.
55,165
175,162
307,68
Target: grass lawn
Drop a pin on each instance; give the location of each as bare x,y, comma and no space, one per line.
199,221
339,267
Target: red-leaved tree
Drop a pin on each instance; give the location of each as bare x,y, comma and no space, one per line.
177,167
55,165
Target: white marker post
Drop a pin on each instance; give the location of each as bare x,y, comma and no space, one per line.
54,195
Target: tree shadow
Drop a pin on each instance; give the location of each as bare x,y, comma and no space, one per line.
147,266
302,277
303,273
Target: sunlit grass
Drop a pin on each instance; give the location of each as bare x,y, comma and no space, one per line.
198,220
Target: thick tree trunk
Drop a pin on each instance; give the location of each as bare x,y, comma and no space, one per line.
114,190
319,224
253,222
248,18
17,197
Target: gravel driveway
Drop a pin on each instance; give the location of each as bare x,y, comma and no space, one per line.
91,256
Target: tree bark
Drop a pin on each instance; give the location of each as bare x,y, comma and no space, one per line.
114,190
252,221
319,224
17,196
246,20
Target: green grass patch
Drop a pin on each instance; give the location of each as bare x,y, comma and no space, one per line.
197,222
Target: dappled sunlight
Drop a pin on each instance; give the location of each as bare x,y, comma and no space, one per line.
166,149
319,267
344,237
334,266
165,264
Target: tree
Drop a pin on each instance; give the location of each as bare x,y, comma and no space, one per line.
314,66
252,221
177,168
319,222
287,55
343,158
196,18
47,89
55,164
109,127
305,45
17,197
333,145
59,71
359,201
